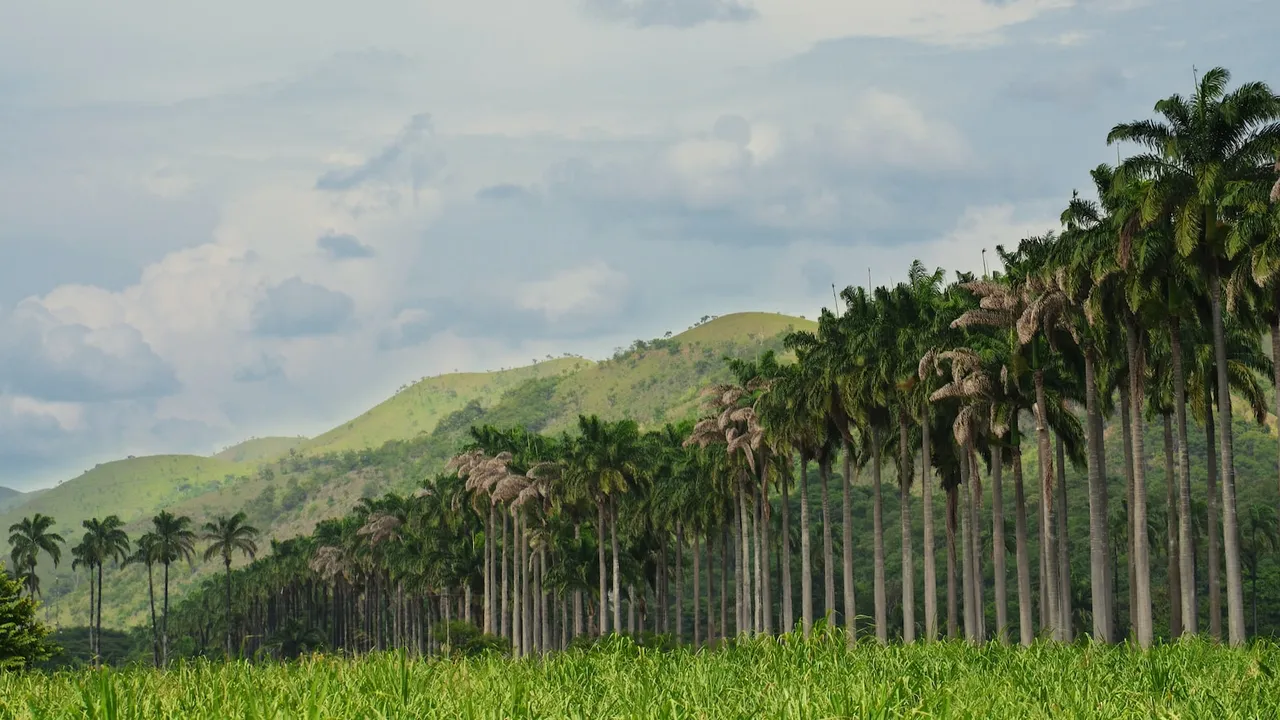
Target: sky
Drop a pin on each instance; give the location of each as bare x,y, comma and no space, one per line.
234,219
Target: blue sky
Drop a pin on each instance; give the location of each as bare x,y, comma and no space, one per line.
243,218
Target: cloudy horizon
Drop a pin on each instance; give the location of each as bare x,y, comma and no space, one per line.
217,229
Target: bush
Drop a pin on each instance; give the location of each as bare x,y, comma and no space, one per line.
467,640
23,639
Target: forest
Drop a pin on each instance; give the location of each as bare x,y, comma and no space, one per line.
1047,453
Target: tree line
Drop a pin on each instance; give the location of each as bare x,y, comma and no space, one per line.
1145,309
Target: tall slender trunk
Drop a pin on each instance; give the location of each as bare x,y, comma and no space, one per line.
1064,549
904,515
975,529
679,628
788,609
953,501
739,566
164,621
1186,548
930,561
226,560
491,556
763,525
877,521
711,623
544,600
1050,589
724,577
617,573
1171,532
828,549
505,600
577,594
1126,422
757,597
1230,518
1142,555
664,589
93,638
1022,556
697,567
1275,353
151,598
846,552
1099,577
998,551
517,589
966,540
604,573
806,553
1214,544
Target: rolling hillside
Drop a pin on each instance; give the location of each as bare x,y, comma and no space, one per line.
259,449
10,498
409,437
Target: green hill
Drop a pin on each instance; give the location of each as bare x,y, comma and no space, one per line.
259,449
10,498
417,408
392,446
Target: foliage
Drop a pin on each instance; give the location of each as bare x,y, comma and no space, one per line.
23,639
467,640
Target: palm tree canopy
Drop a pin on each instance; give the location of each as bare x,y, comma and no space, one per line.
228,535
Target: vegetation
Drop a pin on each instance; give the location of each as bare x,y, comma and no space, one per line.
23,641
821,678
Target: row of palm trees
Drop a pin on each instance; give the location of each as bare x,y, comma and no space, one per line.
1147,306
170,539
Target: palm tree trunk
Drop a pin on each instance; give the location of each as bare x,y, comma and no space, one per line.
1050,589
998,552
617,572
739,567
788,609
1064,550
930,562
544,600
763,525
93,641
828,550
678,631
227,564
604,573
1099,577
664,589
490,553
966,540
1142,557
505,599
1186,549
517,587
975,529
877,522
98,611
1214,547
757,597
904,515
164,621
697,574
711,623
151,598
1171,532
1026,631
1126,422
1230,519
724,577
744,564
577,594
953,501
846,552
806,554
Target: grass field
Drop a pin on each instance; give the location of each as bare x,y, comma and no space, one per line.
761,679
258,449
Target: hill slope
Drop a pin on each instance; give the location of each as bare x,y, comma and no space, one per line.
409,437
258,449
10,498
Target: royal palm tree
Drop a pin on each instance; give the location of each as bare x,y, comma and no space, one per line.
1192,157
27,540
175,541
107,541
227,536
146,551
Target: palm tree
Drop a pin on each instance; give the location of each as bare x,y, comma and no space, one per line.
227,536
82,555
29,538
147,552
1261,534
175,541
1193,156
107,540
611,455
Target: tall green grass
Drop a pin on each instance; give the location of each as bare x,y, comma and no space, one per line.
759,679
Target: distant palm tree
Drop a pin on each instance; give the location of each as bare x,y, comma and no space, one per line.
146,552
105,540
82,556
28,539
227,536
176,541
1261,535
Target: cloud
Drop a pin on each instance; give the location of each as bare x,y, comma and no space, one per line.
671,13
296,308
1075,88
502,192
592,289
263,367
342,246
48,359
409,155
